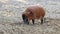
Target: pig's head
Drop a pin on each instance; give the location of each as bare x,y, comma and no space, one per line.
26,16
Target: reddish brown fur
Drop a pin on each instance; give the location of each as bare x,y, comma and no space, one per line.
38,12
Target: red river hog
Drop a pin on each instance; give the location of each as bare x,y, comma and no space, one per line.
33,12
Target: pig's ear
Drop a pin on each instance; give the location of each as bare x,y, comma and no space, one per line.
30,12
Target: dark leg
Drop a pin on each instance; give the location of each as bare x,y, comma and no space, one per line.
33,21
42,21
27,21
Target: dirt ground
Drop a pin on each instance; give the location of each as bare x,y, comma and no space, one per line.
11,19
52,26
